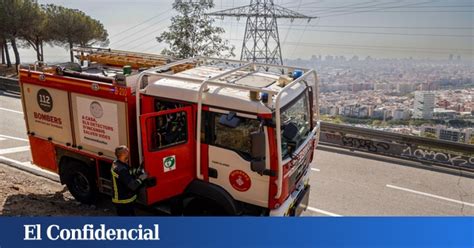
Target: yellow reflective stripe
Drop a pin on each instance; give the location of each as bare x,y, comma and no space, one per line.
116,199
125,201
115,174
114,182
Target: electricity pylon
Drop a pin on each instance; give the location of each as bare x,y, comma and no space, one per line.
261,40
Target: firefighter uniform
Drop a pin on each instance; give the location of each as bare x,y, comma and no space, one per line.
125,187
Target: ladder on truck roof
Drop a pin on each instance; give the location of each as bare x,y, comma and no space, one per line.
107,56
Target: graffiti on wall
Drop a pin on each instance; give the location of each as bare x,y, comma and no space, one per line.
365,144
402,150
438,156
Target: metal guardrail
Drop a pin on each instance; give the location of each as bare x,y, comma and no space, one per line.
10,84
438,152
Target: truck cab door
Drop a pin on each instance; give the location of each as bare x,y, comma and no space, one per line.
168,151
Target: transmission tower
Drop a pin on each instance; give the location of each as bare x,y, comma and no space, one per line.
261,41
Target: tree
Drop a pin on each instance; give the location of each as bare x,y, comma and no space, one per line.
2,35
429,135
2,51
36,35
18,17
376,122
71,27
7,54
192,33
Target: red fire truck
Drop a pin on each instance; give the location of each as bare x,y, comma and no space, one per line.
216,136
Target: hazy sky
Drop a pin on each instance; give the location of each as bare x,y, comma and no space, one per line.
384,28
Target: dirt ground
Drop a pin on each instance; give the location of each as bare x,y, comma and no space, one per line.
24,194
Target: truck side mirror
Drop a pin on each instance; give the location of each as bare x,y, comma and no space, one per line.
258,145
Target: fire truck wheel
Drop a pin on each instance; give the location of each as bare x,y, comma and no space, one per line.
199,206
81,183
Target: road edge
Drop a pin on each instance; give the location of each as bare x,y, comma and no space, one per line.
29,168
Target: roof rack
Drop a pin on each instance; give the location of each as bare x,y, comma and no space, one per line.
107,56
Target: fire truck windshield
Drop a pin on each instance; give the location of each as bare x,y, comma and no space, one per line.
295,116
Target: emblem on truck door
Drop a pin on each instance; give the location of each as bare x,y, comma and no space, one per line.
239,180
169,163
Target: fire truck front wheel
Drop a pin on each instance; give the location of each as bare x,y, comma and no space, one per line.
80,182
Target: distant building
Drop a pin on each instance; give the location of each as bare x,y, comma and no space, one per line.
404,88
362,112
379,113
370,111
361,87
400,114
450,134
430,130
346,111
444,104
424,105
356,111
441,113
429,86
382,87
333,111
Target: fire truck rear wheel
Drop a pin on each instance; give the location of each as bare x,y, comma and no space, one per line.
80,182
200,206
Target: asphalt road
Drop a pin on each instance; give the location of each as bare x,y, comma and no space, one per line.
13,139
342,183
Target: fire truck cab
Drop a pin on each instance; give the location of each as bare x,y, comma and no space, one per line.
245,133
215,136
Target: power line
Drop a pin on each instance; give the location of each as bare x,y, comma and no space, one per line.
408,7
371,48
375,47
319,3
354,5
387,33
156,45
347,10
366,27
387,47
384,27
419,11
141,30
143,43
388,7
287,33
143,36
317,29
139,24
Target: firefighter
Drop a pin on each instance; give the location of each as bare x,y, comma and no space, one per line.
126,182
